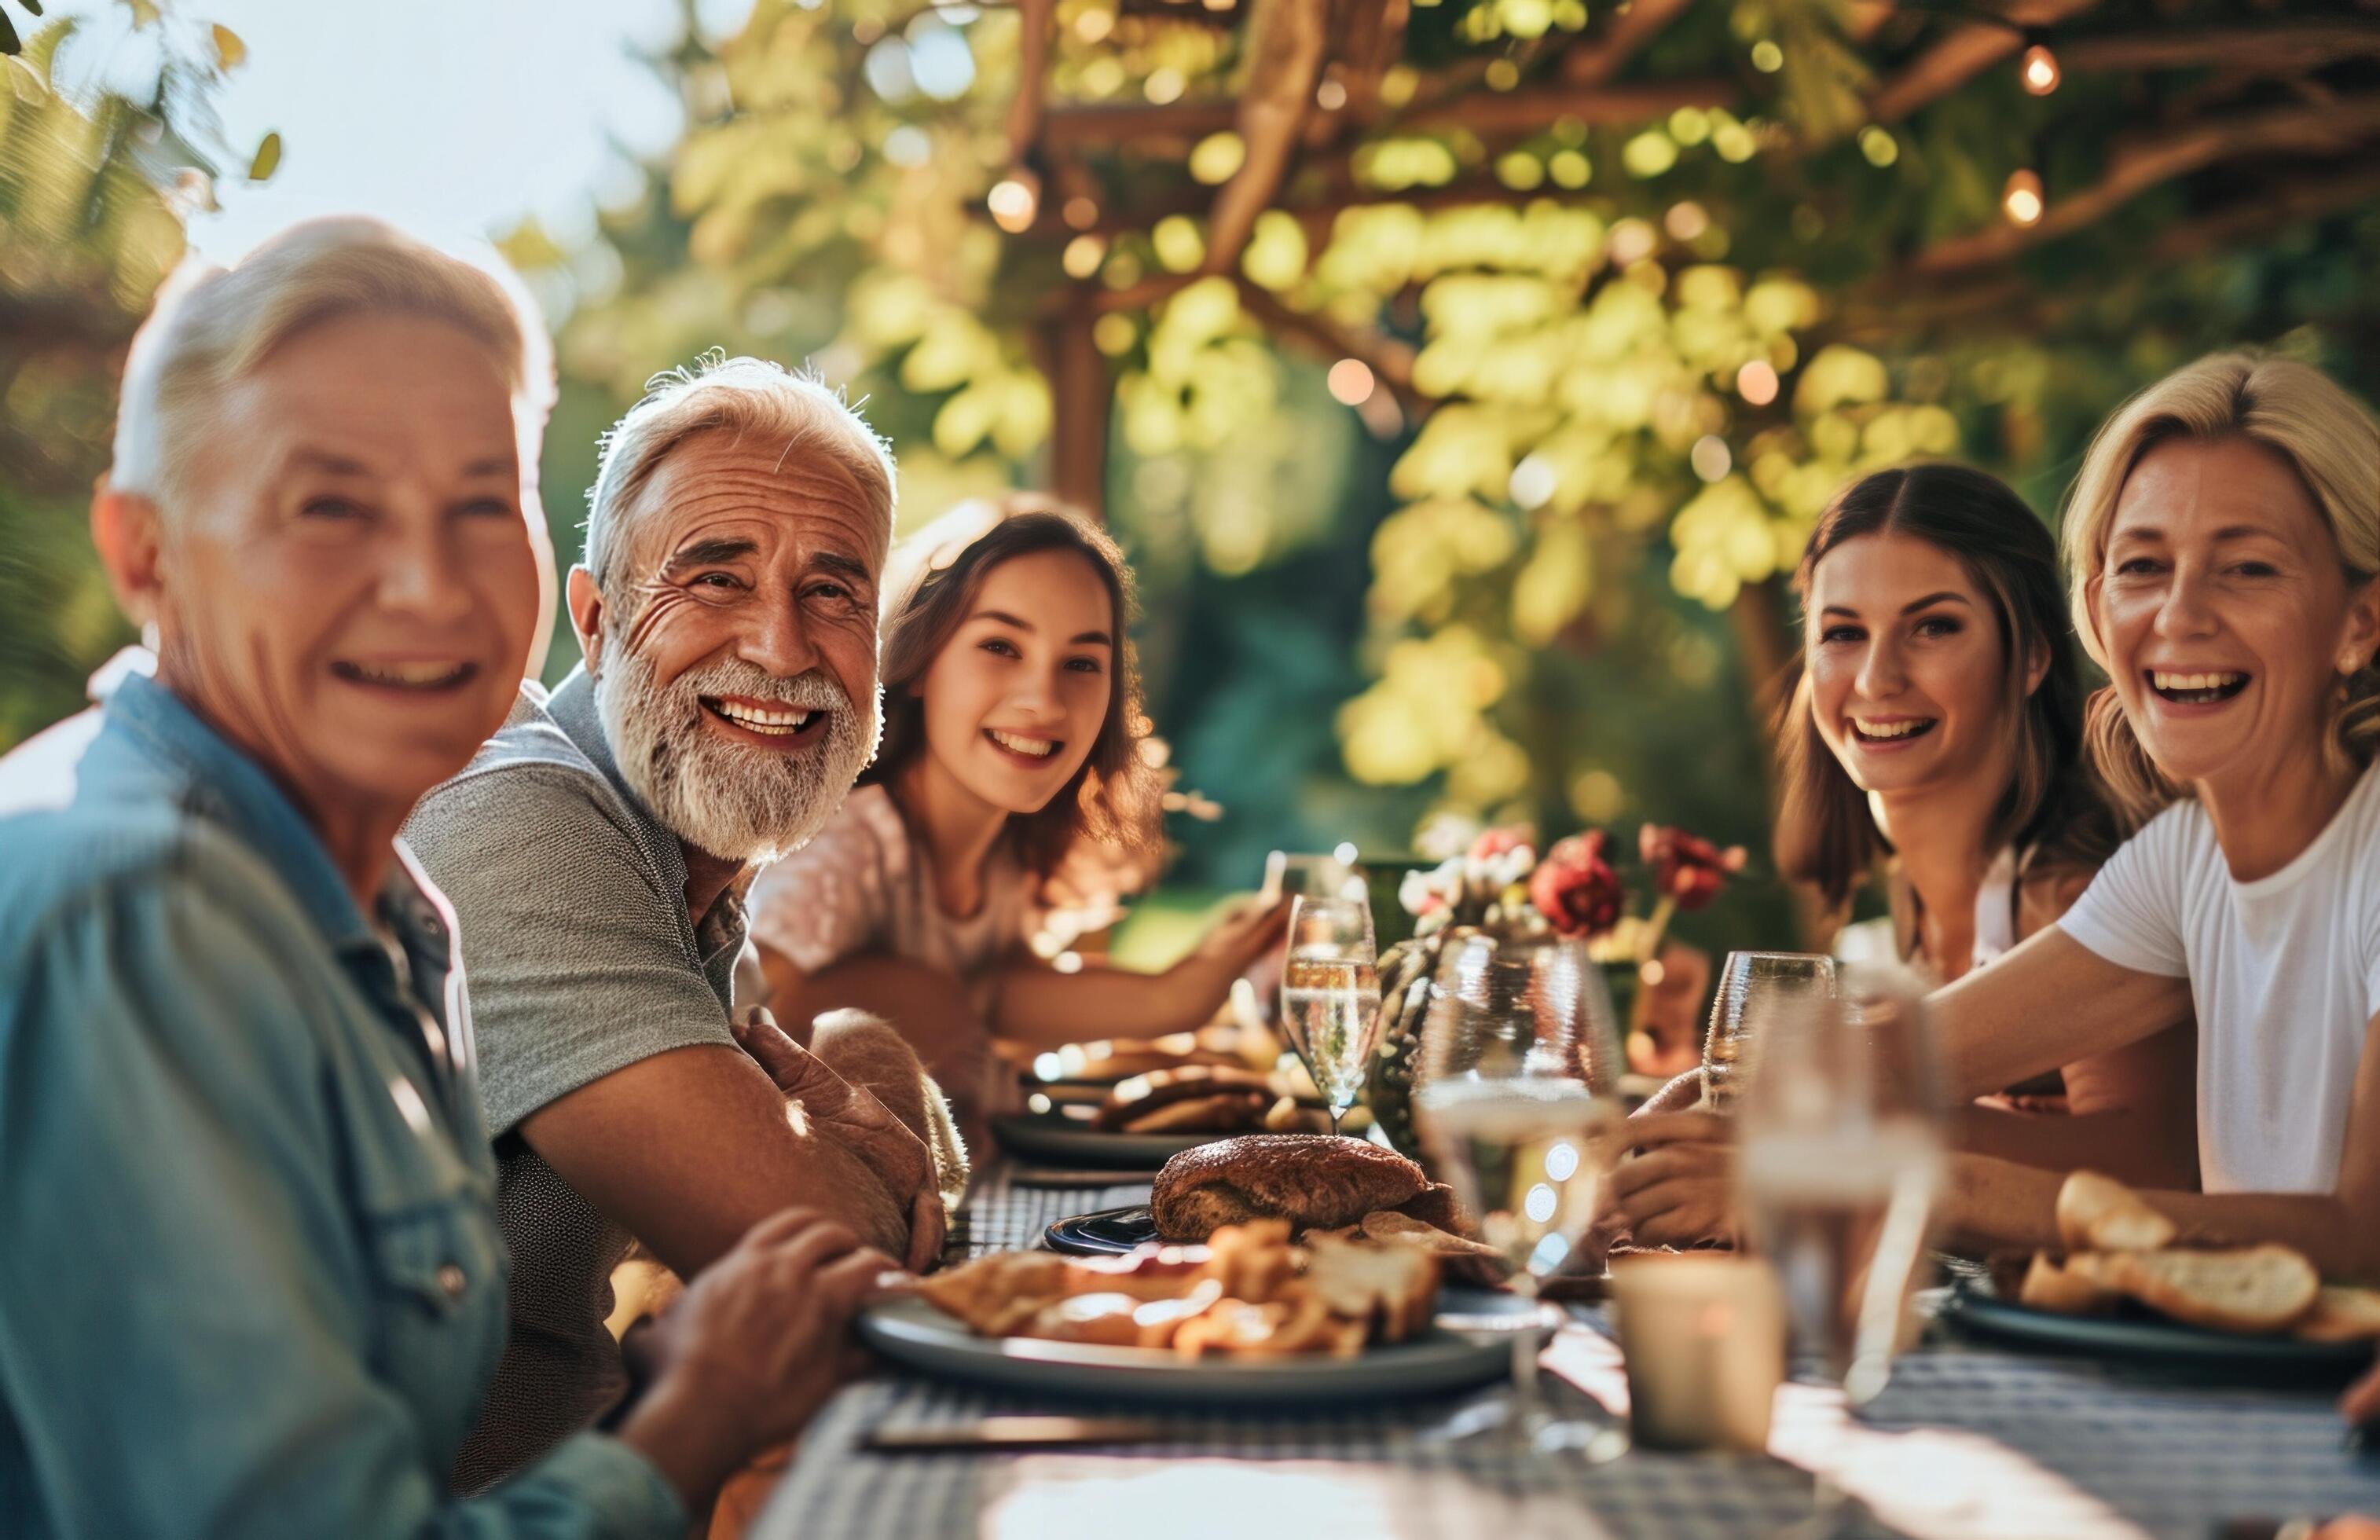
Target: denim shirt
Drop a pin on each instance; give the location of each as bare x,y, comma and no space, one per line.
251,1282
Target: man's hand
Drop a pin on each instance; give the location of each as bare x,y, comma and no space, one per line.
755,1345
830,1107
1680,1186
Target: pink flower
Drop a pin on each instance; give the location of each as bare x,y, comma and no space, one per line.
1575,888
1493,843
1685,867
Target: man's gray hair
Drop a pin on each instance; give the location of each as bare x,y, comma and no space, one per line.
795,413
213,325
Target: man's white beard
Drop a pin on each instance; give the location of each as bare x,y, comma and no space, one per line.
735,801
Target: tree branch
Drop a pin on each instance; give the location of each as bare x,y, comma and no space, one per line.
1285,41
2147,163
1960,57
1389,359
1639,24
2277,47
1029,107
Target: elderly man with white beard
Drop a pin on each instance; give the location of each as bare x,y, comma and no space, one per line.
596,851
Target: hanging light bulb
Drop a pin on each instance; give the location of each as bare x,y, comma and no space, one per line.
2022,200
1014,200
2038,70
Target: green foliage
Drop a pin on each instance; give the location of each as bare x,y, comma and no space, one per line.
88,226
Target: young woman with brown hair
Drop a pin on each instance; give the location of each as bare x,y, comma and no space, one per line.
1937,731
1012,760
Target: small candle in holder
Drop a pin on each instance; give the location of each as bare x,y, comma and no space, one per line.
1703,1337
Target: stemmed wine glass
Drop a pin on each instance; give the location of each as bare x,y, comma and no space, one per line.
1515,1098
1840,1152
1331,995
1751,987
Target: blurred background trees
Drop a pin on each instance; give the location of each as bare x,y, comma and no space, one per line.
1463,377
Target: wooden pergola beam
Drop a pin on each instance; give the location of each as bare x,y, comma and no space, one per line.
1028,109
2147,163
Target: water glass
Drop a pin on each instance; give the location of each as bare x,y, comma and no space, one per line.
1753,986
1515,1095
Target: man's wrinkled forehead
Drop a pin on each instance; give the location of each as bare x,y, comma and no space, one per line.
718,480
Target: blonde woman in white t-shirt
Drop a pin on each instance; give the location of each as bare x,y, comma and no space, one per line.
2222,542
1011,766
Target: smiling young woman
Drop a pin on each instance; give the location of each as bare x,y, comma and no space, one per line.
1011,759
1936,738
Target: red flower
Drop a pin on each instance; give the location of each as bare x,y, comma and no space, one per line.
1575,888
1685,867
1493,843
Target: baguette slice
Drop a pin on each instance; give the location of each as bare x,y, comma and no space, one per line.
2077,1287
2342,1315
2098,1213
2254,1289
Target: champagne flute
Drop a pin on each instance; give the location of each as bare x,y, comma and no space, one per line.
1751,987
1520,1057
1331,995
1841,1154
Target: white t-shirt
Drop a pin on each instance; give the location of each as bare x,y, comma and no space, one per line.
2284,971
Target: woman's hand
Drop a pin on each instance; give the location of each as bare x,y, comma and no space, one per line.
1248,929
1678,1186
753,1347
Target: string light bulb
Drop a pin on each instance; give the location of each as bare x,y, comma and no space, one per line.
2022,200
1014,201
2038,70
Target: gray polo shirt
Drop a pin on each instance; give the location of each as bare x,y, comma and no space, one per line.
570,906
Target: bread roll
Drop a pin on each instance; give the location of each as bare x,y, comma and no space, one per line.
2254,1289
2098,1213
1313,1181
2342,1315
2077,1288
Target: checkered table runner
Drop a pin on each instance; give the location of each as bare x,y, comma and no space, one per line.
1964,1442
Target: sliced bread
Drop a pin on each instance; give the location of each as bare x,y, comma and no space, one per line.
2254,1288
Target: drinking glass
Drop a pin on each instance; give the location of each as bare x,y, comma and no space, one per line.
1840,1153
1331,995
1751,987
1515,1097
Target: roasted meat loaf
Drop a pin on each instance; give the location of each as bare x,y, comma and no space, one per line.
1312,1179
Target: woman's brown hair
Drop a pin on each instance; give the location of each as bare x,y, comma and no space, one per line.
2052,810
1115,800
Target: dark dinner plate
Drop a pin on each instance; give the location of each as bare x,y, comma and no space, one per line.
1976,1307
1055,1136
1109,1232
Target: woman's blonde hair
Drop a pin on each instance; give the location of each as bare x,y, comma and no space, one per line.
213,325
2329,438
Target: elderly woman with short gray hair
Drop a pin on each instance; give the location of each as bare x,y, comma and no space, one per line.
253,1282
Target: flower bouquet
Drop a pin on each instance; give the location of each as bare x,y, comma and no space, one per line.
1502,886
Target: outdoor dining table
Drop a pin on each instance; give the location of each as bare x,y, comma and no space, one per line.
1969,1439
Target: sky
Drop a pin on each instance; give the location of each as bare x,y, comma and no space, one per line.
452,117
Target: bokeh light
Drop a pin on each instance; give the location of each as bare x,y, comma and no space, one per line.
1351,381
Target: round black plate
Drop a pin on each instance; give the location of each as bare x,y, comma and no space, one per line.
1975,1307
1109,1232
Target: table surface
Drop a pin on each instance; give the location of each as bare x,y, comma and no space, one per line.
1966,1441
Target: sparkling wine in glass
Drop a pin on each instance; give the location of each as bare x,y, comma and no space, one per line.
1752,987
1331,995
1515,1100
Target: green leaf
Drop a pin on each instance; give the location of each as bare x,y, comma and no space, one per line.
268,159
